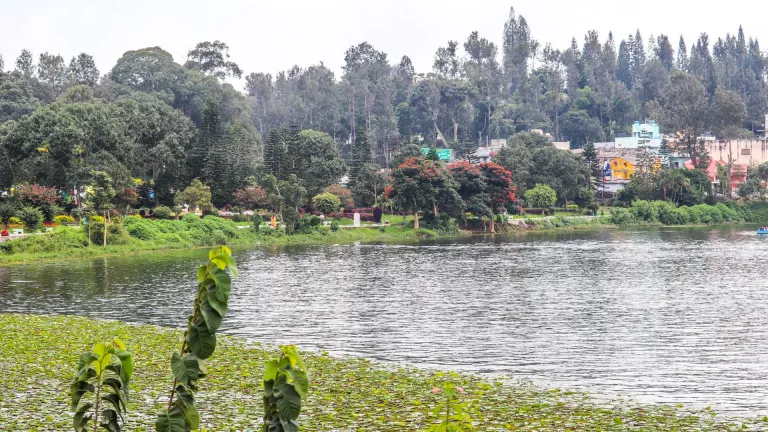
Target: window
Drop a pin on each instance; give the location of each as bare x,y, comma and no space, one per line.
746,152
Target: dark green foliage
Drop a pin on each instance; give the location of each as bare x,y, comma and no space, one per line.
31,217
162,212
214,286
361,154
102,379
7,211
286,383
334,226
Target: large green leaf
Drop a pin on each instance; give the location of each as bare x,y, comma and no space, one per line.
201,273
289,425
109,420
300,381
81,419
186,402
104,359
171,421
211,316
271,371
186,369
223,284
115,401
78,389
202,343
289,404
126,363
118,388
216,304
83,365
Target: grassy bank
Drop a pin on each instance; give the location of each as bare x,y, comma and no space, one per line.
346,394
135,235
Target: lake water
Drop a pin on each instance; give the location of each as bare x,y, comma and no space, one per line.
673,316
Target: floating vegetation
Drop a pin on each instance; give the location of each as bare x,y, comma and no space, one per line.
346,394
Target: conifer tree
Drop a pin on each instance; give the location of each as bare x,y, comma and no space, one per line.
361,154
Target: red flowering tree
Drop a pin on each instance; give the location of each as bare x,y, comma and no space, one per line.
126,198
472,188
499,187
251,197
415,186
344,194
37,196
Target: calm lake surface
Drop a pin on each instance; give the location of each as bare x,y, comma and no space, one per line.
673,316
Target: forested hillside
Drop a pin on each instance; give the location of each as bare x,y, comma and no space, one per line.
158,122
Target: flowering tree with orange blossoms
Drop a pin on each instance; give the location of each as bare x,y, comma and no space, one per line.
415,186
472,188
499,187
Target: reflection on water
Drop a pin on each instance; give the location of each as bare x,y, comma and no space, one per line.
675,316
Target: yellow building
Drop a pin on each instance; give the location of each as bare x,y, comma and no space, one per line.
621,169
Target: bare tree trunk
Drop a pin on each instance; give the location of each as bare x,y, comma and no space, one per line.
493,224
105,227
437,129
415,220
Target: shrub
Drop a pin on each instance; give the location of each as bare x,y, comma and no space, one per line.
308,223
190,218
241,218
572,207
64,219
143,230
7,211
344,195
257,220
162,212
644,211
50,211
620,216
14,221
729,214
334,226
116,235
541,196
709,214
669,214
378,213
31,217
326,203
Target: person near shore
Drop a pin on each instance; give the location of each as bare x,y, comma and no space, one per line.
4,233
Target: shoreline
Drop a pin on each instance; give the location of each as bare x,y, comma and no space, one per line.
346,393
391,234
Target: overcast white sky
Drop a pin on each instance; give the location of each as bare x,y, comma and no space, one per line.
272,35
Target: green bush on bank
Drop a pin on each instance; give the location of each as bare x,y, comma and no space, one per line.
667,213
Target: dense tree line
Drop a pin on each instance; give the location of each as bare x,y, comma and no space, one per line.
479,90
166,123
149,122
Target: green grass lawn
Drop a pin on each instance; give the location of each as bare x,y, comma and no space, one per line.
346,394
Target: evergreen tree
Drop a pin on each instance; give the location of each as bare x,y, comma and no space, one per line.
361,154
468,148
590,158
664,52
211,141
432,154
638,57
664,153
25,64
624,68
682,55
276,153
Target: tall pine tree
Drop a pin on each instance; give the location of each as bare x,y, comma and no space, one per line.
361,154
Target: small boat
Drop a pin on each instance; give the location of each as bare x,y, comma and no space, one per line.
762,231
